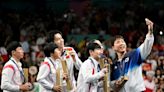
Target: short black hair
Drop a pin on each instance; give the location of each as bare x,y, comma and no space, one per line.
92,41
49,48
92,46
50,36
12,46
115,38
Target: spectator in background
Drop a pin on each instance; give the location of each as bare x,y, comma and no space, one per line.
24,43
4,54
161,60
33,71
160,85
152,61
13,79
149,82
158,73
82,48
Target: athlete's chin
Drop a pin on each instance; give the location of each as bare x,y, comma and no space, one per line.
21,56
62,45
122,51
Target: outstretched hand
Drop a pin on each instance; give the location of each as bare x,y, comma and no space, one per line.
149,23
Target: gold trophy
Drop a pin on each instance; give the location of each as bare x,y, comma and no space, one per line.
65,70
120,83
105,62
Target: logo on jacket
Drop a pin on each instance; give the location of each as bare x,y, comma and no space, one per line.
115,67
126,59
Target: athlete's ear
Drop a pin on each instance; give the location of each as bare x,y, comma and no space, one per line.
52,54
90,52
12,52
113,47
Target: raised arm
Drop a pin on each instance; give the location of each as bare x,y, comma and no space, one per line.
77,62
146,46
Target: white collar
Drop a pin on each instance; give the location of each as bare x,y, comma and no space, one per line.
94,61
19,64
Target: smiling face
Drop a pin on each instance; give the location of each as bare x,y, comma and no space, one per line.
58,40
119,45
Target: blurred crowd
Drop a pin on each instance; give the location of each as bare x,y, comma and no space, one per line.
31,29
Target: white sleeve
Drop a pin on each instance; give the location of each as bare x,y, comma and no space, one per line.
78,62
146,46
88,76
42,75
7,74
